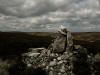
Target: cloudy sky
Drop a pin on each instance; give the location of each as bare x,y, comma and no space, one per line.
48,15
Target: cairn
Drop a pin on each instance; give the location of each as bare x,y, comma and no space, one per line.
61,58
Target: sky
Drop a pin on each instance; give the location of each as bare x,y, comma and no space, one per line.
48,15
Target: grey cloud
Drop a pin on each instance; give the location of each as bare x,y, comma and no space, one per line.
78,15
24,8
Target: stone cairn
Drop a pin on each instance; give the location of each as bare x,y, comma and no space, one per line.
61,58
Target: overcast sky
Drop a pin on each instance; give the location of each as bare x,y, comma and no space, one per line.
48,15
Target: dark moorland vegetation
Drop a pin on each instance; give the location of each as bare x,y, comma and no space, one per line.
18,42
12,43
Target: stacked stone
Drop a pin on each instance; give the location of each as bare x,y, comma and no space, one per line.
62,57
53,63
3,68
57,63
55,60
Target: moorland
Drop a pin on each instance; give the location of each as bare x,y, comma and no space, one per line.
15,43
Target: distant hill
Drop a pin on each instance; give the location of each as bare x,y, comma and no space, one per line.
89,36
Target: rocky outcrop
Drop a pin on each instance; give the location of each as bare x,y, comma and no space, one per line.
56,63
62,43
61,58
52,63
5,66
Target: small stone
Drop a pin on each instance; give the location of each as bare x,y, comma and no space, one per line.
59,58
43,64
29,65
52,55
64,61
47,67
50,73
60,62
63,67
59,73
34,54
54,60
62,70
56,54
48,53
51,68
70,54
52,63
69,67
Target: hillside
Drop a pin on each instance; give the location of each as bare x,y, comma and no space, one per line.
89,36
19,42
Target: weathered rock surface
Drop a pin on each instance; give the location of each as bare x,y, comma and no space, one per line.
62,57
59,64
62,43
5,65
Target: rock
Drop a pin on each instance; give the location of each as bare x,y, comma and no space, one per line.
53,59
47,67
59,44
59,74
29,65
31,54
77,46
52,63
34,54
63,42
60,62
35,50
52,54
63,67
97,65
4,66
62,70
59,58
51,73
